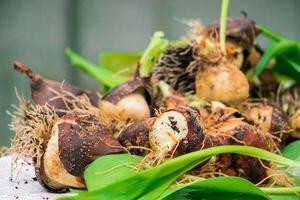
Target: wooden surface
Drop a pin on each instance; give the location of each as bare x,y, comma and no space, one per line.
25,187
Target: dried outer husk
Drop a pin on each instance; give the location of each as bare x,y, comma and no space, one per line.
268,117
76,140
82,138
135,137
295,123
235,132
60,148
196,132
241,30
51,173
225,126
52,93
267,87
32,125
47,183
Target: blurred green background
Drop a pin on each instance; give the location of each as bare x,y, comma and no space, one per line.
36,32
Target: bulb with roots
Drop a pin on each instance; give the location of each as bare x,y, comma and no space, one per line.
222,82
269,118
53,94
175,129
76,140
126,101
183,130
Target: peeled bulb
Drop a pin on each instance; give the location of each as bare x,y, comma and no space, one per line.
54,168
132,106
224,82
126,101
179,129
76,140
167,131
270,118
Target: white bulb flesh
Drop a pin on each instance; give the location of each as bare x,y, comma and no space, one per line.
54,168
133,106
167,131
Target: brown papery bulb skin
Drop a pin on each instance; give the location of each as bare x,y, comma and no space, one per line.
77,139
196,132
53,173
237,132
242,30
269,117
178,128
82,138
225,126
136,135
44,91
223,82
248,167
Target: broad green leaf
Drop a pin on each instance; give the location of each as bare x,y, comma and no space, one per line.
268,54
103,75
149,184
223,188
292,151
145,185
153,51
285,51
282,47
283,67
109,169
285,197
125,63
120,62
293,63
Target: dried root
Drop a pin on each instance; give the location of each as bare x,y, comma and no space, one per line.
177,68
32,126
277,176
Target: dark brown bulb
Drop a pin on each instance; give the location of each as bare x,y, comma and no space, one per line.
44,91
